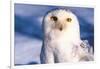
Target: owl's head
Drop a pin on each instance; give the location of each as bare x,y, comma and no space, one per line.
60,19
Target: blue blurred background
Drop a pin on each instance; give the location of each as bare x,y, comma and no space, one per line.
29,35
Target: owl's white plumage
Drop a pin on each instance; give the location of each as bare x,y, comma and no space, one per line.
61,38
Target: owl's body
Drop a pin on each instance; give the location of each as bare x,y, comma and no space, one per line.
61,38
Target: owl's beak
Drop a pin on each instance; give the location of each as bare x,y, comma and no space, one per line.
59,26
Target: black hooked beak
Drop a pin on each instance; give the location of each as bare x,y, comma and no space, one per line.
61,28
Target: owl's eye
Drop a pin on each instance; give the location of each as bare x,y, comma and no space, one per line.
54,18
69,19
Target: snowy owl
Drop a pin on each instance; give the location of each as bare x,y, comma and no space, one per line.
62,41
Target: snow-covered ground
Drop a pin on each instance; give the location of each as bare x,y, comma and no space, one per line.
27,50
29,35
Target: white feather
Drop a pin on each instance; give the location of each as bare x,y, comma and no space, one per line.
61,45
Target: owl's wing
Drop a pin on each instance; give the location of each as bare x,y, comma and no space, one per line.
87,50
86,46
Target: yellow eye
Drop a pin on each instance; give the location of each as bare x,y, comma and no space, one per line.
69,19
54,18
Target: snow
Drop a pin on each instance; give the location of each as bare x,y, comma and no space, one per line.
27,49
